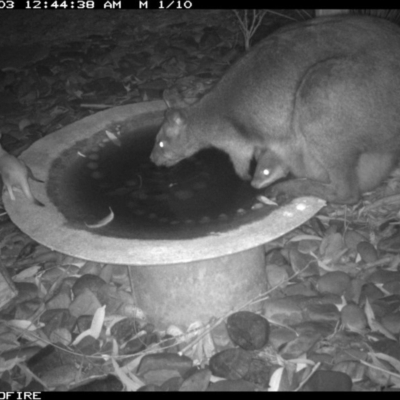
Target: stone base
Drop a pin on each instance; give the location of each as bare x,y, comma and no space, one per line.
179,294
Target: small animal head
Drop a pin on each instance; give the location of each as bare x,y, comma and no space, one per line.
268,170
173,141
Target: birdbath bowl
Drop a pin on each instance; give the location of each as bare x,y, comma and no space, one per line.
192,234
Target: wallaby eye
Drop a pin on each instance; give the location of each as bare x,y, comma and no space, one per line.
266,172
161,144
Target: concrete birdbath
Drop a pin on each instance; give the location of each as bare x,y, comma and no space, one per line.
192,234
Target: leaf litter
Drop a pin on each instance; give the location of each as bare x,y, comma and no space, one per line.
94,61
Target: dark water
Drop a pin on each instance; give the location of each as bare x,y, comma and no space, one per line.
199,195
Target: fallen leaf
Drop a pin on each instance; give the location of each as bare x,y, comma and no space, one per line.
95,327
374,324
131,382
25,324
8,365
275,380
26,273
113,138
102,222
391,360
266,200
299,238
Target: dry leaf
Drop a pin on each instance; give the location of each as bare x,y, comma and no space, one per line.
102,222
8,365
298,238
26,273
374,324
275,380
25,324
95,327
266,200
131,382
113,138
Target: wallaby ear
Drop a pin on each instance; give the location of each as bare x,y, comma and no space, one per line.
173,99
177,117
176,121
257,153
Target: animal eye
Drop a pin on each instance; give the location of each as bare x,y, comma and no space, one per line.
161,144
266,172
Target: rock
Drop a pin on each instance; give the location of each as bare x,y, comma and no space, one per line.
248,330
